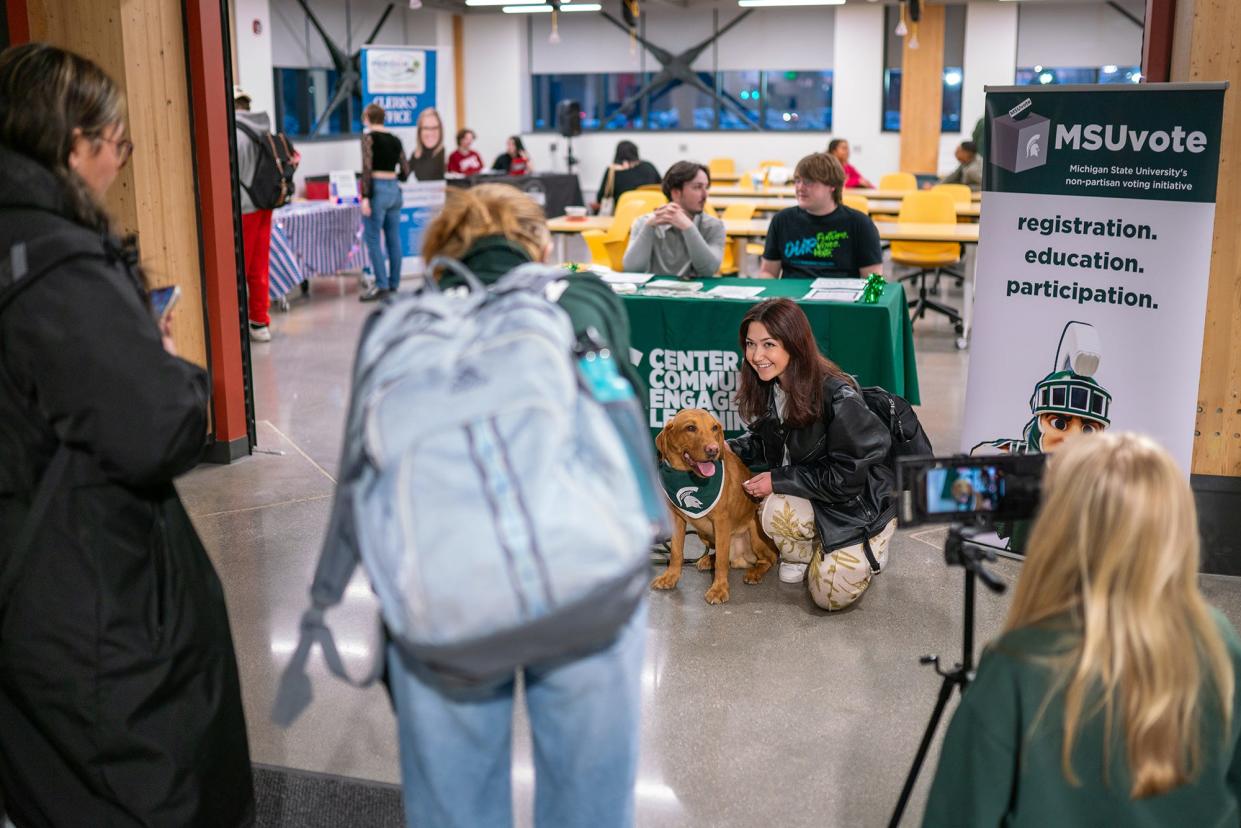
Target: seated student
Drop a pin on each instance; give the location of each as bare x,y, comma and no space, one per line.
678,238
969,167
820,236
464,160
839,147
514,160
829,505
1110,698
626,172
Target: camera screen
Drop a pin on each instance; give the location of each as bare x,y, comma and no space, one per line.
964,489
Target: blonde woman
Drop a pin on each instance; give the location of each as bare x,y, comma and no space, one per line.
584,709
427,161
1109,699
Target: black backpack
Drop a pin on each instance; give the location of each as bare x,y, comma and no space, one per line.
272,185
908,437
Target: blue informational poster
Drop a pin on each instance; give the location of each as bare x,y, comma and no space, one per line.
401,79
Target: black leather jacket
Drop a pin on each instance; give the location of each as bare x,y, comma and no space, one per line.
837,463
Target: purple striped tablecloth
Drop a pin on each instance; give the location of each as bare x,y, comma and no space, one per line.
314,239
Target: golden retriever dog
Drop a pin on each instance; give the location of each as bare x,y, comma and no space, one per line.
694,442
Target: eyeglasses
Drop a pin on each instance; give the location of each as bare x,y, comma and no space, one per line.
124,148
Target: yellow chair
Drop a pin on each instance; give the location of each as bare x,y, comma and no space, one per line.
927,207
765,164
658,188
898,181
959,193
721,166
857,202
607,247
737,211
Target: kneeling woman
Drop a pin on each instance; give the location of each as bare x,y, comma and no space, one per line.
829,504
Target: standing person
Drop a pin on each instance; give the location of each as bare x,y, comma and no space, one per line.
829,503
1110,698
626,172
464,159
427,162
255,222
119,696
820,236
678,238
383,162
839,147
584,709
514,160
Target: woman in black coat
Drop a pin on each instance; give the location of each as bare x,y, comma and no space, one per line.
119,697
829,504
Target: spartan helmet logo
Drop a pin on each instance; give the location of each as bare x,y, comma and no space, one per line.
1032,146
686,498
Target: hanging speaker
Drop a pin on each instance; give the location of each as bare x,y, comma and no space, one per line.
569,118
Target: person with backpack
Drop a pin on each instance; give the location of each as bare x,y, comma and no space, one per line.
827,491
584,707
265,167
119,696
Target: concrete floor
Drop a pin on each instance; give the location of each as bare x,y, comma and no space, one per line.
760,712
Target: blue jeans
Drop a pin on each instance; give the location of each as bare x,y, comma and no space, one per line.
386,217
584,715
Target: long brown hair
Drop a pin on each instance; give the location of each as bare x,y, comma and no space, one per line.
47,93
1114,551
807,369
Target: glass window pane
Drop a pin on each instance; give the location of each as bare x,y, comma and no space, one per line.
617,88
681,106
954,56
799,100
549,90
891,100
1120,74
741,89
1046,75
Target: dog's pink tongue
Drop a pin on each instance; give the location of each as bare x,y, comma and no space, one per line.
705,469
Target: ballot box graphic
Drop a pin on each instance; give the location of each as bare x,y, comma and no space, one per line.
1019,143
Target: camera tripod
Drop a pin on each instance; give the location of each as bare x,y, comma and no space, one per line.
959,550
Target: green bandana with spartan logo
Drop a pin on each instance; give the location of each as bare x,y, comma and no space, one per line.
693,495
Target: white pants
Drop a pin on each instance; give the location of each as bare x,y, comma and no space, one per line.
836,579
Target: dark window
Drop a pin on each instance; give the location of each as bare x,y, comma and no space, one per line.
301,97
1096,404
1079,399
1054,75
1057,396
786,100
954,60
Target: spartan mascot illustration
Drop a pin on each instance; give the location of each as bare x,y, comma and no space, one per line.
1066,402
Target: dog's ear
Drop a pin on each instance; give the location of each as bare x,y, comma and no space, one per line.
661,442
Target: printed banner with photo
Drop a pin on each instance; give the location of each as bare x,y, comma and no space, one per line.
1093,263
401,79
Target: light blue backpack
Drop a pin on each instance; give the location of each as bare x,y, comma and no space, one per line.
499,490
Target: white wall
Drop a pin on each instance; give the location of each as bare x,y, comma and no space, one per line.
990,60
1076,35
253,52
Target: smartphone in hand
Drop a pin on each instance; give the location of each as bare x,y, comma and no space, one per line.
163,300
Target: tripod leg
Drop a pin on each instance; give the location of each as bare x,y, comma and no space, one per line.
945,692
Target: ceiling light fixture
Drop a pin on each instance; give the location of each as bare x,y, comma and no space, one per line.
504,2
542,8
753,3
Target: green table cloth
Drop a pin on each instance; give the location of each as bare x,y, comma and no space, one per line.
687,351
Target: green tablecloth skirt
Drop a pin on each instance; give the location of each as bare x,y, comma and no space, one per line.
687,350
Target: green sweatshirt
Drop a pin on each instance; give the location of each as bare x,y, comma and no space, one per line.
588,300
994,771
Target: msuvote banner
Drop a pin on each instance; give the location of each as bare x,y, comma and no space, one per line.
401,79
1093,262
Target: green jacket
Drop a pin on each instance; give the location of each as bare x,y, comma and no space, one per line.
588,300
995,771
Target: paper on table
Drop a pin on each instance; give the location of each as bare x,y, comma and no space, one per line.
677,287
613,278
832,283
831,295
735,291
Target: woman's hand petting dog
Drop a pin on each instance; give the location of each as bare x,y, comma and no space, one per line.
758,486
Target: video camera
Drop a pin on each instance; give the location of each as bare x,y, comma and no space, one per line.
965,489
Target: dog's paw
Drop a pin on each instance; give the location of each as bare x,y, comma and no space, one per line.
706,563
755,574
717,594
666,581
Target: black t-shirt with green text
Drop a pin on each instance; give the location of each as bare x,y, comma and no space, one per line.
808,246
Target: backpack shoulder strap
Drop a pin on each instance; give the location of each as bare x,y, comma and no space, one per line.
29,260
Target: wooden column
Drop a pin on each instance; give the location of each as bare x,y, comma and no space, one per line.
141,44
1206,48
922,93
458,69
